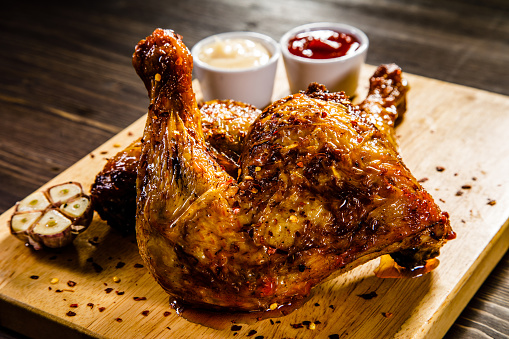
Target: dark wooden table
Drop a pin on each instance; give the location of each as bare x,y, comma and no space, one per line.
67,85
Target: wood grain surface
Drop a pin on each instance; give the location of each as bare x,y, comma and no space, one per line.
67,86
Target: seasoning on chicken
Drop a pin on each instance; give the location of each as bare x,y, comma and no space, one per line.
322,190
225,124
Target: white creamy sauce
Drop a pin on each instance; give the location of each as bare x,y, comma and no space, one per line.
234,54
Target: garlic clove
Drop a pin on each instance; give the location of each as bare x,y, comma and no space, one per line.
52,222
34,202
52,230
64,192
20,223
76,207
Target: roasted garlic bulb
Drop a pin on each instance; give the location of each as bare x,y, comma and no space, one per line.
53,217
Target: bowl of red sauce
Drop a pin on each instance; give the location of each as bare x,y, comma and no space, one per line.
328,53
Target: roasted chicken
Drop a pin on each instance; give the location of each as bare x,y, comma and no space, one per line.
322,190
225,124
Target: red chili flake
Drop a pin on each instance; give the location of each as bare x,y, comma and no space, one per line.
368,296
70,314
120,264
166,313
145,313
387,314
300,164
118,320
466,187
492,202
119,292
324,114
299,325
101,309
440,168
71,283
236,327
139,298
138,265
251,333
73,305
91,305
271,250
108,290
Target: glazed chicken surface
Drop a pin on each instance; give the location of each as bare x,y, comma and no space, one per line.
322,190
225,124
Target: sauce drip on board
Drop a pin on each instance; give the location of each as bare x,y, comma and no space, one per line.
388,268
221,320
322,44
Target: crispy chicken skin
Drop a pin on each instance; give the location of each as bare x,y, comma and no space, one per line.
322,190
225,124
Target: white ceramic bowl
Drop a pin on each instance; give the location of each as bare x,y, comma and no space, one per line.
337,74
253,85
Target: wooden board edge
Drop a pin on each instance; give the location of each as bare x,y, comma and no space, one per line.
442,320
42,325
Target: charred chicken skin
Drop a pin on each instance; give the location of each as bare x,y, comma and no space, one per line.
322,190
113,192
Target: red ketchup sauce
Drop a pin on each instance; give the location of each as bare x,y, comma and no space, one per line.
322,44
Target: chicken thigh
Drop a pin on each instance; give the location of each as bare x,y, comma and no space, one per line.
322,190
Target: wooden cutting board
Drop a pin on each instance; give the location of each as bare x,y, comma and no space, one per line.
459,129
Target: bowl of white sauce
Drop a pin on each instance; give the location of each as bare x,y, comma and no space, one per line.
237,65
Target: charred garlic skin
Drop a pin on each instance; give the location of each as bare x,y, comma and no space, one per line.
52,218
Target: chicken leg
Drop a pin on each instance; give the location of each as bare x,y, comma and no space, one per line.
322,190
